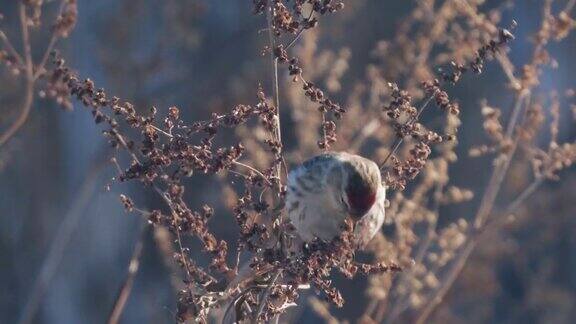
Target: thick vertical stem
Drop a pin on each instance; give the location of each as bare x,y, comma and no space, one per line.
275,89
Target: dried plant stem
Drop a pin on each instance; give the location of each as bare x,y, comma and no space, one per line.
300,32
238,163
9,47
324,135
24,113
131,152
26,42
481,22
485,209
134,156
40,67
524,195
61,240
30,75
266,294
251,169
500,170
449,279
51,43
295,39
399,307
163,240
395,147
161,131
399,140
124,144
226,318
29,79
128,282
275,89
508,214
178,237
181,248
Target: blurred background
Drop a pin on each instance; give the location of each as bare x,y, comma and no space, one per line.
205,56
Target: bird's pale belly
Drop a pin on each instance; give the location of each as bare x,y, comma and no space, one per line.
313,218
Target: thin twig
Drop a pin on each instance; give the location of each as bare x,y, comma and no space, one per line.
500,170
485,209
449,279
412,120
395,147
524,195
134,156
300,32
508,214
40,67
400,306
61,240
295,39
482,23
168,203
51,43
128,282
226,317
26,42
178,238
163,240
29,80
504,62
264,297
10,48
324,138
251,169
124,144
24,113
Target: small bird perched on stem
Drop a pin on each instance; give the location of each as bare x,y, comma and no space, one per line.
323,193
328,189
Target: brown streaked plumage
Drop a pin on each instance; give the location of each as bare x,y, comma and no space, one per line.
327,189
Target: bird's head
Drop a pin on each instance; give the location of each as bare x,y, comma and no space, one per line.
361,183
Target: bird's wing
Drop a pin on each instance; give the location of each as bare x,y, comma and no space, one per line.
308,200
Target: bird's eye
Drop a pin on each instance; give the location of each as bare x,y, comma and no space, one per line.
343,201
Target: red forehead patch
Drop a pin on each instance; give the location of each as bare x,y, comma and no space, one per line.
360,202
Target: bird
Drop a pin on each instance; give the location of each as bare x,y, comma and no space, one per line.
321,194
327,189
